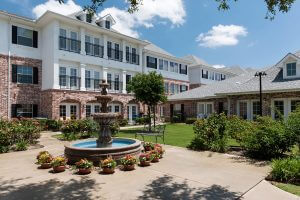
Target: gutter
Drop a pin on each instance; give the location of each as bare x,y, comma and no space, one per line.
8,77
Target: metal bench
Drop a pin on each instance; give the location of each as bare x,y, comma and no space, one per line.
158,132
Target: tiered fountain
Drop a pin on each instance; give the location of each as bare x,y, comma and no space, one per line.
98,149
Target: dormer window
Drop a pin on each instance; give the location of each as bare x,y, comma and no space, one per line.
291,69
107,24
89,18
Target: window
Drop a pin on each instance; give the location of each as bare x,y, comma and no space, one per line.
25,37
223,77
88,18
88,45
74,44
161,64
109,46
107,24
109,108
62,76
166,65
204,74
217,77
166,87
204,109
63,111
243,113
88,110
109,81
117,52
209,109
62,40
183,69
255,109
183,88
134,56
176,67
151,62
128,79
97,109
97,47
73,77
294,105
211,75
291,69
117,81
87,79
176,89
279,109
96,80
171,66
127,54
24,110
117,109
73,111
24,74
172,88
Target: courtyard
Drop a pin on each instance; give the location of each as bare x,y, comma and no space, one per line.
181,174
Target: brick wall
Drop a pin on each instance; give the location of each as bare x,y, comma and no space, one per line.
3,86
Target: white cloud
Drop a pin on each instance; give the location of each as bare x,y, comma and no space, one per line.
221,35
68,8
149,13
219,66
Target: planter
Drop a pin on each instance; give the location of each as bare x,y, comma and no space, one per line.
148,148
129,167
155,160
107,170
59,169
84,171
45,166
145,163
161,156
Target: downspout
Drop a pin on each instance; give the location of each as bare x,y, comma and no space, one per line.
8,77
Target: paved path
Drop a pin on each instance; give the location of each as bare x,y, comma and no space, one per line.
182,174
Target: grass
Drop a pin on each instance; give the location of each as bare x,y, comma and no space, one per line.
294,189
176,135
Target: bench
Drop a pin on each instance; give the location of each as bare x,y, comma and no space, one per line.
158,132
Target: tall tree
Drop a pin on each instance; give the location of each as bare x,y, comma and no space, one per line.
273,6
149,90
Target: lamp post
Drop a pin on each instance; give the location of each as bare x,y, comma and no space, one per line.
260,74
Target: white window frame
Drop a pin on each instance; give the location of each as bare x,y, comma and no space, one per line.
205,114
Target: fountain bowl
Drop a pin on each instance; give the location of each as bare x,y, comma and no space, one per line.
119,148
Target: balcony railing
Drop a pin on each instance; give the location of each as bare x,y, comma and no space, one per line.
132,58
69,82
115,86
68,44
114,54
92,84
94,50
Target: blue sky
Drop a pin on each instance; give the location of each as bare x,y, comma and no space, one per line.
240,36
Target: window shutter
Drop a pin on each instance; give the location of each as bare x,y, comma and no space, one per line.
13,110
14,36
171,111
35,75
14,73
147,61
155,63
34,110
35,39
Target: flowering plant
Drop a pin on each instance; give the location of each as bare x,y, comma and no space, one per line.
44,157
108,163
155,154
145,157
159,149
128,160
59,161
148,146
84,164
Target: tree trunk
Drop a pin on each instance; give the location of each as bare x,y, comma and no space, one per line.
154,107
149,117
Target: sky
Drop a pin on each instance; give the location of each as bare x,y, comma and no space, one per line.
240,36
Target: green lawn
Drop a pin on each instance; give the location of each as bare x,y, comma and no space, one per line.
176,134
294,189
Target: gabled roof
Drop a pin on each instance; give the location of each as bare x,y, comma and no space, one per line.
195,60
154,48
107,16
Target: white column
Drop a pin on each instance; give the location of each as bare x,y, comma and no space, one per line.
124,50
124,82
105,47
141,55
82,76
82,39
104,72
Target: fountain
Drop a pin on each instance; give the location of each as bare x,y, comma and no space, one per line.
99,149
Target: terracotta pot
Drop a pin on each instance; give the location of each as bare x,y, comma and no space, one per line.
107,170
129,167
84,171
45,166
155,160
145,163
59,169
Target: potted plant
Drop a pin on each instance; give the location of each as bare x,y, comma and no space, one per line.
160,150
148,146
145,159
44,159
108,166
59,164
84,166
155,156
128,162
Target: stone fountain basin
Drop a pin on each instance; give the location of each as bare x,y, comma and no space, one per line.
74,153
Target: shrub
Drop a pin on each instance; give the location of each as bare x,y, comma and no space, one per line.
54,125
143,120
286,170
268,139
74,129
123,122
210,134
293,126
176,119
114,128
190,120
21,146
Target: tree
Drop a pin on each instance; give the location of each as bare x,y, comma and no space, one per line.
149,90
273,6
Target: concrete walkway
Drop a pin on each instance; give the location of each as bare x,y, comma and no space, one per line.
181,174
